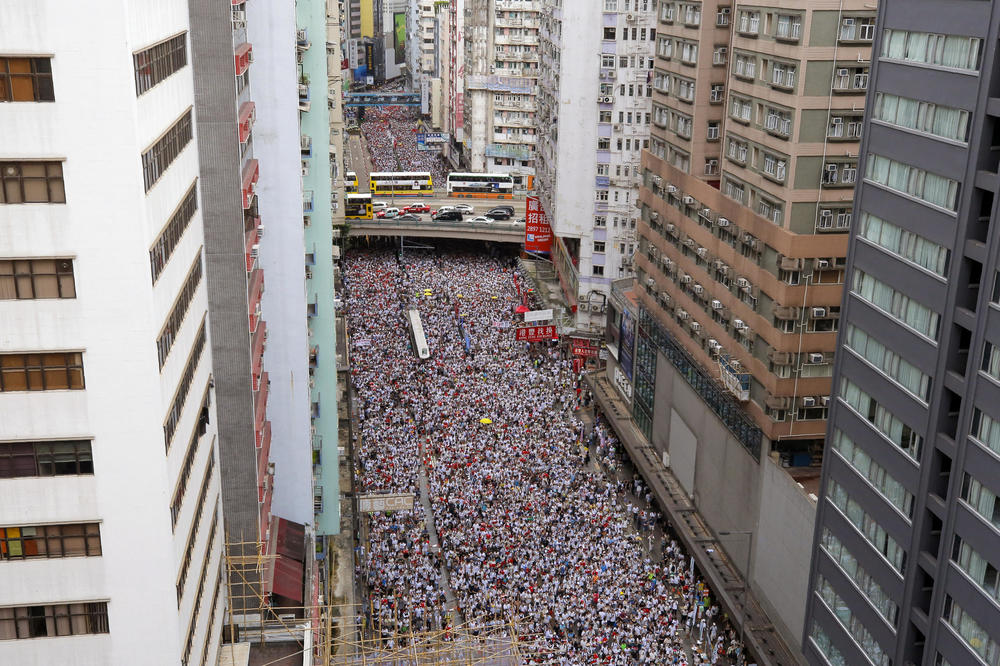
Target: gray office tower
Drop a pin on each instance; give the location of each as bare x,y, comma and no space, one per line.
907,544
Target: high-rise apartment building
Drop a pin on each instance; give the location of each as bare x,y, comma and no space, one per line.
110,526
595,103
453,89
500,127
745,203
764,104
322,193
224,114
907,542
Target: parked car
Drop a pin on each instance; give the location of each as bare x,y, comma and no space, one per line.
465,208
499,213
388,213
408,217
417,207
447,216
480,219
379,204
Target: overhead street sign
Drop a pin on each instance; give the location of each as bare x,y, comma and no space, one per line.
537,315
378,503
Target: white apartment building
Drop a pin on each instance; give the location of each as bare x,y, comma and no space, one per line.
501,87
110,522
595,98
421,57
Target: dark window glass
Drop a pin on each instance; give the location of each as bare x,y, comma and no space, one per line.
159,61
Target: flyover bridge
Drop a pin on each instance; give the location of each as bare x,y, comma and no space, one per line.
497,232
381,99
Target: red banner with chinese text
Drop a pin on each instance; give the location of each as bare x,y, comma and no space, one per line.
537,232
536,333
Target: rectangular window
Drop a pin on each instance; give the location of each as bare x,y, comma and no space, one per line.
36,278
47,371
166,149
31,182
983,500
943,121
952,51
826,646
189,457
904,243
868,586
199,513
973,633
851,623
977,567
57,458
26,79
47,541
788,27
887,486
884,421
184,386
896,304
176,317
171,235
598,270
75,619
156,63
986,430
598,246
888,361
874,533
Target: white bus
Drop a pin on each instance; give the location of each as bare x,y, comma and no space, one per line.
417,335
481,185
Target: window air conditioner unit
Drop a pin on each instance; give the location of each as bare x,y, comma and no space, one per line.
695,326
650,282
260,231
706,211
702,252
815,358
716,305
630,17
682,314
818,312
668,263
657,181
722,222
739,324
714,345
743,283
698,289
822,263
808,402
689,201
254,251
671,189
618,127
685,279
654,215
825,400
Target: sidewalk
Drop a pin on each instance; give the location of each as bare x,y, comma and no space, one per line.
760,636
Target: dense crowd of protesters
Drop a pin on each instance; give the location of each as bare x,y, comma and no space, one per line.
540,535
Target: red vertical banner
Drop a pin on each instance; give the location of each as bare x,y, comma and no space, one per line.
537,232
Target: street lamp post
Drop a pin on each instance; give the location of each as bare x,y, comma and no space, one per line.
746,584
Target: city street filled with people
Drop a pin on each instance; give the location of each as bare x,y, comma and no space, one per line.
391,136
527,521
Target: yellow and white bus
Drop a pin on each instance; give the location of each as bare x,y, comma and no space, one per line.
481,185
402,182
357,206
350,182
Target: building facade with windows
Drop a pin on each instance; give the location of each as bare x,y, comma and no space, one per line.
500,104
746,201
595,94
111,529
908,523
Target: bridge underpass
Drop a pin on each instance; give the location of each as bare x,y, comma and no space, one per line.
498,232
381,99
